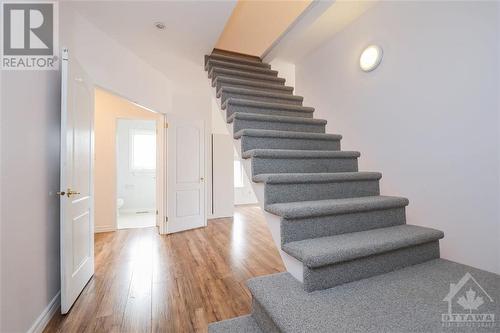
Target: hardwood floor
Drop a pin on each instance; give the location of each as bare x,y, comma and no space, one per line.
145,282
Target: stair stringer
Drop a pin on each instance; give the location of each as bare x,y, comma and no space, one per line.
292,265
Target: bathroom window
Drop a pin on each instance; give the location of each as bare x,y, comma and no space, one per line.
143,150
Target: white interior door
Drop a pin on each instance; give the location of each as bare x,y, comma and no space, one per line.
76,194
185,174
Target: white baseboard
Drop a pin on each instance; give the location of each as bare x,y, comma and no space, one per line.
104,228
47,314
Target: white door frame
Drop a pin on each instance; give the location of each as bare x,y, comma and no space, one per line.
160,179
161,172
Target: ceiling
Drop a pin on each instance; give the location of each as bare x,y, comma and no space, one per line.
321,22
192,27
255,25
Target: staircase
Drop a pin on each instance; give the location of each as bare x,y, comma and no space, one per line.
352,260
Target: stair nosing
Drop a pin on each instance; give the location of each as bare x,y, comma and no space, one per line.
297,153
267,105
265,133
256,92
275,119
247,74
330,207
379,245
315,178
251,83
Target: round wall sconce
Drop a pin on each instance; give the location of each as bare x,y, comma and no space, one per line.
370,58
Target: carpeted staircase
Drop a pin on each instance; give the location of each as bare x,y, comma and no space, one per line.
353,263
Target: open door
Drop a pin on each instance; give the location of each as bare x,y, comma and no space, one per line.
185,174
76,194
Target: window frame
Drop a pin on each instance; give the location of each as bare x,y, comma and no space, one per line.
132,134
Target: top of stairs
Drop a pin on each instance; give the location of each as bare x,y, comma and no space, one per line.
235,59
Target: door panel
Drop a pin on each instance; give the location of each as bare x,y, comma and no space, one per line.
76,194
185,174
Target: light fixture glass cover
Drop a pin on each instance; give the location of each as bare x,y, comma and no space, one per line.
370,58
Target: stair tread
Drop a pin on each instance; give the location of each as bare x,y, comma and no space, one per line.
239,73
265,105
239,324
264,133
302,209
289,153
256,92
237,60
300,178
317,252
376,304
270,118
250,82
242,67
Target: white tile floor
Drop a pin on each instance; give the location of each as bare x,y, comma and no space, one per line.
132,220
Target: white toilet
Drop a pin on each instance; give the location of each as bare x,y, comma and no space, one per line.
119,204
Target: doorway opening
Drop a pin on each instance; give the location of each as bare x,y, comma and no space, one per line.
129,164
135,173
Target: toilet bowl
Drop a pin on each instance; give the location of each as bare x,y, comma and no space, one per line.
119,204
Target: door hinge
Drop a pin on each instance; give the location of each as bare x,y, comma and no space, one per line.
166,219
157,212
166,125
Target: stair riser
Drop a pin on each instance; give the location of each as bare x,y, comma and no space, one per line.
272,112
236,60
245,76
337,274
302,165
252,142
265,322
240,124
277,193
253,86
243,68
225,95
323,226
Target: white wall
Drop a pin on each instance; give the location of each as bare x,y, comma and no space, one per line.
245,195
427,117
137,189
222,173
29,244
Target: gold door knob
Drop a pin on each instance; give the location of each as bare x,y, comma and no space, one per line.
61,193
71,192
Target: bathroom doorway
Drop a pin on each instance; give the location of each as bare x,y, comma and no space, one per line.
136,173
129,164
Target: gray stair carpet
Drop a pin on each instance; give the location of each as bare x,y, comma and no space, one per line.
279,123
364,268
226,92
227,81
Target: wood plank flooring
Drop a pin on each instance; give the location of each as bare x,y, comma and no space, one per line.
145,282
